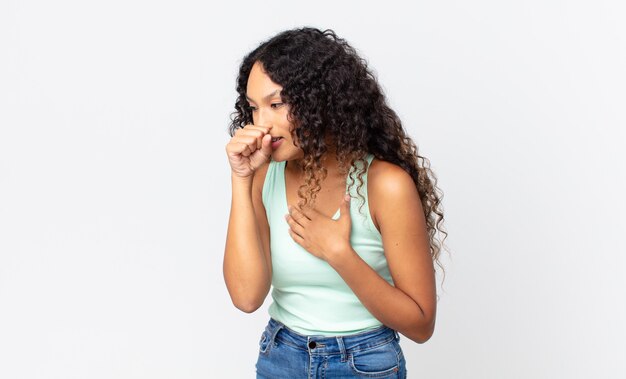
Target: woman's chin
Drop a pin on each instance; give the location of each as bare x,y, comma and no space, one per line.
281,156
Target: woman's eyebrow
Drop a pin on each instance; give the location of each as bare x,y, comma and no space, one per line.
268,96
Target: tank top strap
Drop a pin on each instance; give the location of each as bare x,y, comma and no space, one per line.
273,185
353,170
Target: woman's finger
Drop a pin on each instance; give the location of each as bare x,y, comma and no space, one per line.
252,135
298,215
245,149
294,225
251,141
299,240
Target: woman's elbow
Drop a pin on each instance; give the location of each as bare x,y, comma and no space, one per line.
247,297
420,337
421,332
247,307
247,302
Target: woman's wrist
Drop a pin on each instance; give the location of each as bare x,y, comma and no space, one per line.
236,178
341,258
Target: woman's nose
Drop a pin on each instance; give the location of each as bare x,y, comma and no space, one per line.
263,117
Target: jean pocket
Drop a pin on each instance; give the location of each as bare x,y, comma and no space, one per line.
376,362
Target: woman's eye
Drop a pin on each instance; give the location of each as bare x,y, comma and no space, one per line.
276,105
251,108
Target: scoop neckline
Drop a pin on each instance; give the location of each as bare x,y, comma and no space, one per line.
338,211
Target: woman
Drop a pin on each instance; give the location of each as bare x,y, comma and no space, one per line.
330,206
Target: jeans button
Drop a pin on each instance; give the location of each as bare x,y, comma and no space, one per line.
312,345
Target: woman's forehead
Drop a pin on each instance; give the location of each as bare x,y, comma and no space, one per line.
260,86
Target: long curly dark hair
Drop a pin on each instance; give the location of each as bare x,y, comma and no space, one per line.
331,93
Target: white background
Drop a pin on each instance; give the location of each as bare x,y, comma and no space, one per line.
115,187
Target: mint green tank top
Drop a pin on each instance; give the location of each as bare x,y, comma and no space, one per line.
309,296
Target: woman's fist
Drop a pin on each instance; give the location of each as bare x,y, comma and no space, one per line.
248,149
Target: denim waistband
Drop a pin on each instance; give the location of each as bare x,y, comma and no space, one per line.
319,344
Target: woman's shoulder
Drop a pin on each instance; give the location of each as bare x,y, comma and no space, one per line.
387,186
387,176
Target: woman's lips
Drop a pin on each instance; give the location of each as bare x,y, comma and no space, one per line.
276,144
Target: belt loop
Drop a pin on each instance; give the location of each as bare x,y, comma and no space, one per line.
397,335
342,348
275,332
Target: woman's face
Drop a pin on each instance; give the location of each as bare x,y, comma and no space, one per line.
268,110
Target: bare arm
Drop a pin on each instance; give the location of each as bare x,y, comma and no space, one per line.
247,266
410,305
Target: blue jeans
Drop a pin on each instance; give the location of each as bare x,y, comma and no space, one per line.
284,353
